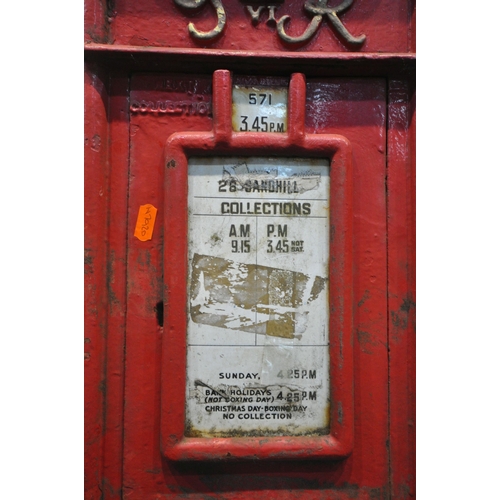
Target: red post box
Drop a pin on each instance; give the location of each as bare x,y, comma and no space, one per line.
250,286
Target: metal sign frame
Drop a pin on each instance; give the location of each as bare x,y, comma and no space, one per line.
221,141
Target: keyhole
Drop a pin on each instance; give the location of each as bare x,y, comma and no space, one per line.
159,312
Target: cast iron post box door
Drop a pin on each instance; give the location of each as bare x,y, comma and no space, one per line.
202,277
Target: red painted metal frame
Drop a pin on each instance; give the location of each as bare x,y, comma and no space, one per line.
96,300
223,141
401,287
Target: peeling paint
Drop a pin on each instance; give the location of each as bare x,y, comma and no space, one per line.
364,298
367,341
399,317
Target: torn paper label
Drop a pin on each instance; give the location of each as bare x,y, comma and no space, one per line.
250,297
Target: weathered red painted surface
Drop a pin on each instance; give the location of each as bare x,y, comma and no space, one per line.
401,285
96,156
367,98
150,23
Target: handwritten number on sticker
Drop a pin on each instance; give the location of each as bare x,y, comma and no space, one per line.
145,222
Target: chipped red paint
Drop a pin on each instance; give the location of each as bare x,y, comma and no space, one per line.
365,94
116,282
401,286
96,153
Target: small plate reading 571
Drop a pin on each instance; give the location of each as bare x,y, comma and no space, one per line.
259,109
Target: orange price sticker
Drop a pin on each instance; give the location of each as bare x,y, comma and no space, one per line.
145,222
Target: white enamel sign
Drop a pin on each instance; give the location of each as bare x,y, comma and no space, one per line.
259,109
257,355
